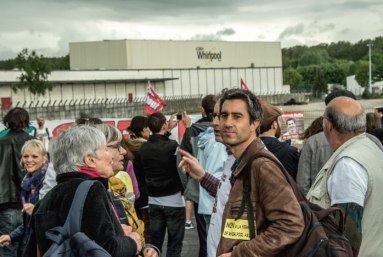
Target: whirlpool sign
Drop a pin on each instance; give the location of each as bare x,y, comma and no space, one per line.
208,56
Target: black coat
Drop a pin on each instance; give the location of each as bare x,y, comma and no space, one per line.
98,220
159,158
286,154
11,173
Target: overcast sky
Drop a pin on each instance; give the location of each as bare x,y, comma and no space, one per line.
48,26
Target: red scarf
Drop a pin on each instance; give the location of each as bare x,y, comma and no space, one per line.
90,171
95,174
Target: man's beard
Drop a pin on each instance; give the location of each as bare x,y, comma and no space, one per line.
278,133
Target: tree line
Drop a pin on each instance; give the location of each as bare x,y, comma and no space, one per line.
332,63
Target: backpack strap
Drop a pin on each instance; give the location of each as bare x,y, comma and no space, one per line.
246,200
46,130
73,220
247,189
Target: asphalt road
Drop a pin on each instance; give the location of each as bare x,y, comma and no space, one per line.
190,244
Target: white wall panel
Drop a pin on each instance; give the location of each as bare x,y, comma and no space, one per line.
202,82
185,82
210,82
264,85
218,81
194,89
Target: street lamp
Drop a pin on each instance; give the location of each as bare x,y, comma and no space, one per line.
370,82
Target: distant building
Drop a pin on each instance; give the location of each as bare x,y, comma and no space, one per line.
122,68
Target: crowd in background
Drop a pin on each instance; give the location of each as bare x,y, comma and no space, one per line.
229,167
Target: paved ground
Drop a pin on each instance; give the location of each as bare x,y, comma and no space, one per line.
320,106
191,243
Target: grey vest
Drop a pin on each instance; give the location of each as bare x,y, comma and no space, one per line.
367,154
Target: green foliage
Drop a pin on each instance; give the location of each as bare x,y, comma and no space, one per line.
293,78
84,115
308,73
311,57
362,73
320,84
55,63
35,73
366,94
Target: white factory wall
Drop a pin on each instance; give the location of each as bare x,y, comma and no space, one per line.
165,54
187,82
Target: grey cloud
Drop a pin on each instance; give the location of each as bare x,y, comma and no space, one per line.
345,31
212,36
293,30
327,27
226,32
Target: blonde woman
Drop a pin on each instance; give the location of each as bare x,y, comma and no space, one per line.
34,161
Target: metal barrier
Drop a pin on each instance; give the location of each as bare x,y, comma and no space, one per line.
103,108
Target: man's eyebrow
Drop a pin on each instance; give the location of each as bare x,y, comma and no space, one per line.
232,113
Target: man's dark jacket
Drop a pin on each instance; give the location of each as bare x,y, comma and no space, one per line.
158,156
98,219
287,155
189,143
11,172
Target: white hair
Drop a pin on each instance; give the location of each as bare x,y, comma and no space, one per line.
111,132
68,150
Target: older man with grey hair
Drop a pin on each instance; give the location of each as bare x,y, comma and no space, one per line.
352,178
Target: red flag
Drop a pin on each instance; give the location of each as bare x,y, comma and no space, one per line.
153,102
244,87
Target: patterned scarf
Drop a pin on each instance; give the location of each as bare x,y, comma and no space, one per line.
31,186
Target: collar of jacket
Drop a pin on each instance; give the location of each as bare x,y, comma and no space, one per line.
10,132
251,150
64,177
158,137
204,119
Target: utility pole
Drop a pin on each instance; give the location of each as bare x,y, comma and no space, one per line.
370,80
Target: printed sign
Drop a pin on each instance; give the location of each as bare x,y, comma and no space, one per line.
292,125
237,229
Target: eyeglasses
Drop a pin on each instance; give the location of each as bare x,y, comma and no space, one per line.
116,146
213,115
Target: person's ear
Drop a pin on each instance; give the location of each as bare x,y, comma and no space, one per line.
203,111
90,161
254,125
275,125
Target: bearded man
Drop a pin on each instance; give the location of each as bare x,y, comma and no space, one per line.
270,132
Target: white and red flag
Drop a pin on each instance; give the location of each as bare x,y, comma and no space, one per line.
153,102
244,87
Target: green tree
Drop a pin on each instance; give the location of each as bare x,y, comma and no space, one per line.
293,78
320,84
362,73
308,73
35,71
311,57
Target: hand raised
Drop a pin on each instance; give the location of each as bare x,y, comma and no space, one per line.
190,165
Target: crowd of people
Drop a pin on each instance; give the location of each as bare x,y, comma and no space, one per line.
229,167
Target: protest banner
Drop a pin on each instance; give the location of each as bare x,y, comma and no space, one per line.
292,124
153,102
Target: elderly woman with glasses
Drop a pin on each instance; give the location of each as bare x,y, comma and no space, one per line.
79,154
124,208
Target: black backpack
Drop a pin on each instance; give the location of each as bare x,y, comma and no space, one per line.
68,241
322,236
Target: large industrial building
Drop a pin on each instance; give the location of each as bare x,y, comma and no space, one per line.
122,68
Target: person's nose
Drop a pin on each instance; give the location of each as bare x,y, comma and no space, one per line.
122,151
